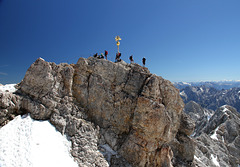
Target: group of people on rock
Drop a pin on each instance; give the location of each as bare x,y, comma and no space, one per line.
117,59
101,55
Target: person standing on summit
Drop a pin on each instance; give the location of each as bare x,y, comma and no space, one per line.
144,61
95,55
117,59
105,54
131,59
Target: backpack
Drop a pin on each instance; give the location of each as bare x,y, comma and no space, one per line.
106,53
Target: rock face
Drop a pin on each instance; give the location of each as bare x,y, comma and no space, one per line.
46,93
9,107
199,115
216,135
140,111
133,117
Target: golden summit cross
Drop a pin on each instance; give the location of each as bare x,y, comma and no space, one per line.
117,38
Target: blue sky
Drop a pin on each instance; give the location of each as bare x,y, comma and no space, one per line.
183,40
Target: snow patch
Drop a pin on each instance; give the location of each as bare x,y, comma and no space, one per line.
214,160
193,134
41,58
208,114
25,142
185,83
223,139
8,88
195,157
198,160
225,110
214,135
182,93
108,152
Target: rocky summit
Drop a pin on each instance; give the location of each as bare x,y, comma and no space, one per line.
115,114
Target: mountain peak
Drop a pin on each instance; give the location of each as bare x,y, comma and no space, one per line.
131,116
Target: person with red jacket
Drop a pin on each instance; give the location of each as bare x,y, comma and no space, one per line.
106,53
117,59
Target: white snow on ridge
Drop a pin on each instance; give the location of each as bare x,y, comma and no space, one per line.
198,160
25,142
185,83
214,160
214,135
182,93
225,109
8,88
208,114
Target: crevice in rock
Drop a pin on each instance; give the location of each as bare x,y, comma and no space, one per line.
143,84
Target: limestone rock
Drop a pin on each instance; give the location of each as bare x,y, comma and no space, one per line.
184,150
47,79
9,107
127,99
199,115
187,125
46,92
216,137
97,103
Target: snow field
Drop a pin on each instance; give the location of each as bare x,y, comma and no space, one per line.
8,88
25,142
214,135
214,160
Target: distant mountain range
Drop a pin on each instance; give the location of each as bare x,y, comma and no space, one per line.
211,98
214,84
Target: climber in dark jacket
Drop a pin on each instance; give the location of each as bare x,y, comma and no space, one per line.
144,61
131,59
106,53
118,55
95,55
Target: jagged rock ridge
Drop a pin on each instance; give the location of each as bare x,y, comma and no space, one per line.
217,135
211,98
98,104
